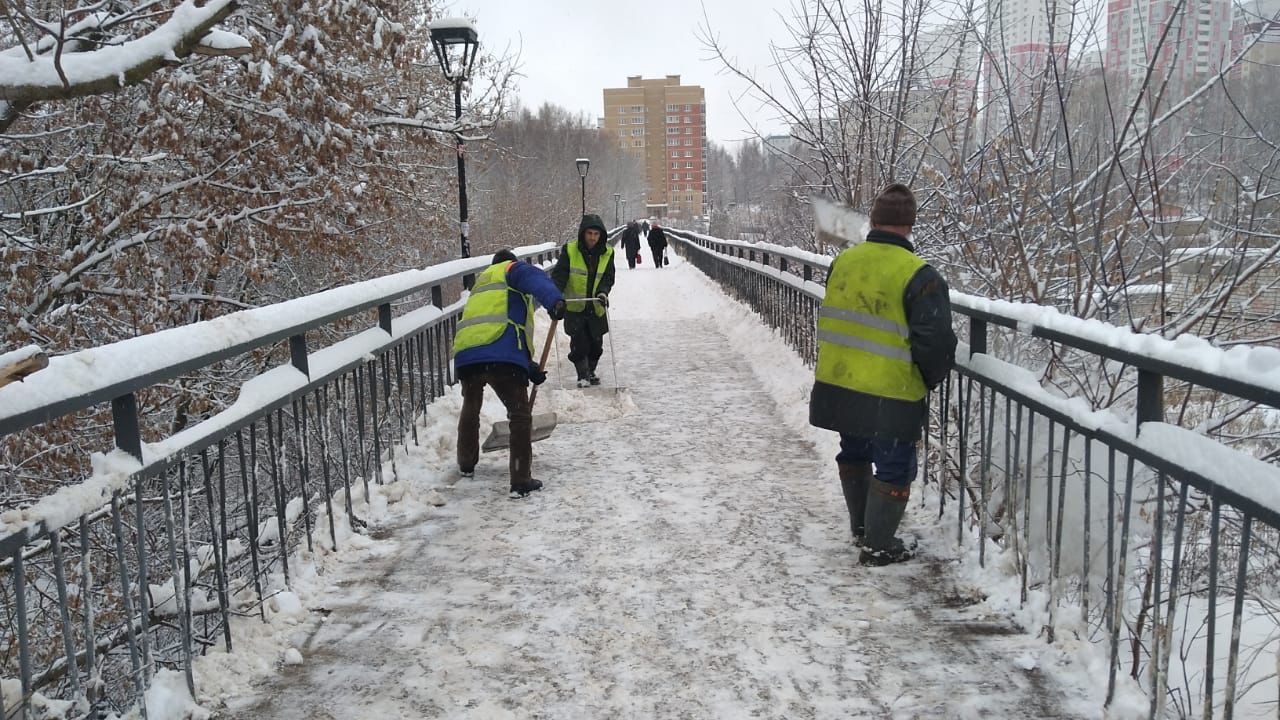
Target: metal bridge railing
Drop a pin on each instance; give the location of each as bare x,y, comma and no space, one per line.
1160,540
141,564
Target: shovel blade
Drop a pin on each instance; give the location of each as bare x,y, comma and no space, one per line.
839,225
606,392
500,437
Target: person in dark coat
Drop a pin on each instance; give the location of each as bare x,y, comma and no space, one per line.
494,348
584,273
884,341
630,243
657,244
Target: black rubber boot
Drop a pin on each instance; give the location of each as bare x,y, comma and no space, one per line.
519,490
886,505
854,480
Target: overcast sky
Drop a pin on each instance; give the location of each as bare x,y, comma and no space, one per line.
570,50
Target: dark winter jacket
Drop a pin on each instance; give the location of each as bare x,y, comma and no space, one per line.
927,301
630,240
525,279
575,321
657,238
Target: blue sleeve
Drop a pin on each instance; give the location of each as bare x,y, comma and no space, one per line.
533,281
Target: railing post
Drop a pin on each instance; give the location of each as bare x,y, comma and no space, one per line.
437,296
124,419
782,264
977,336
1150,396
808,272
384,317
298,353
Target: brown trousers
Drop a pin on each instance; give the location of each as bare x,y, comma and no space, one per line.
512,386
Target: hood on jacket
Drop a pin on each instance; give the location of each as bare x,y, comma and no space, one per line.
592,221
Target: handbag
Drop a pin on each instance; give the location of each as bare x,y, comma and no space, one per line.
637,258
666,259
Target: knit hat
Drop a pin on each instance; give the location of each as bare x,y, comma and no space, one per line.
503,255
895,205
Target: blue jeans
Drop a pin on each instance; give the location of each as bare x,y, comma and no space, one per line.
895,460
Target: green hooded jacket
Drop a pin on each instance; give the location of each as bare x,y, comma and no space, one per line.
596,282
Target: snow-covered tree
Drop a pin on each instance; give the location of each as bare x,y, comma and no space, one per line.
213,184
527,187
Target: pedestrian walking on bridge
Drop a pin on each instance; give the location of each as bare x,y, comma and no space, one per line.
630,243
657,245
884,341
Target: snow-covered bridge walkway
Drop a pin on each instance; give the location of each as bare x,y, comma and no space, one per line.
689,558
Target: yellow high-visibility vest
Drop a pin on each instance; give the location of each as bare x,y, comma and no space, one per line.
863,337
485,318
577,286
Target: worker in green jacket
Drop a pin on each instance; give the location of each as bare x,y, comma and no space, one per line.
884,340
584,273
494,347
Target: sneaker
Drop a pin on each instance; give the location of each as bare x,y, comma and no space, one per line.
583,382
592,379
523,489
467,473
897,552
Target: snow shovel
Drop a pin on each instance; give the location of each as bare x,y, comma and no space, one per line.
543,425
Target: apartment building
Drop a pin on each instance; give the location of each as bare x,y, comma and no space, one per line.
1023,35
664,124
947,58
1256,24
1185,41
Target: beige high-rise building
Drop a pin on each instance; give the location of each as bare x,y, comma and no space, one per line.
664,124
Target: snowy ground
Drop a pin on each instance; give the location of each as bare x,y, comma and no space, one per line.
689,558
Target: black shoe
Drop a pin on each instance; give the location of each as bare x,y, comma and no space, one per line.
467,473
897,552
592,379
522,489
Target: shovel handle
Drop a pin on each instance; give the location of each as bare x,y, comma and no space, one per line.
542,364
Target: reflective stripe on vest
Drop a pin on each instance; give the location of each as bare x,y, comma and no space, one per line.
578,277
485,318
864,341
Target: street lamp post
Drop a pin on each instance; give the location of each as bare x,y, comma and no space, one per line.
584,166
455,43
616,198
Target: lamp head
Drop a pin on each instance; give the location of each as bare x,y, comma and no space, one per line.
456,43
